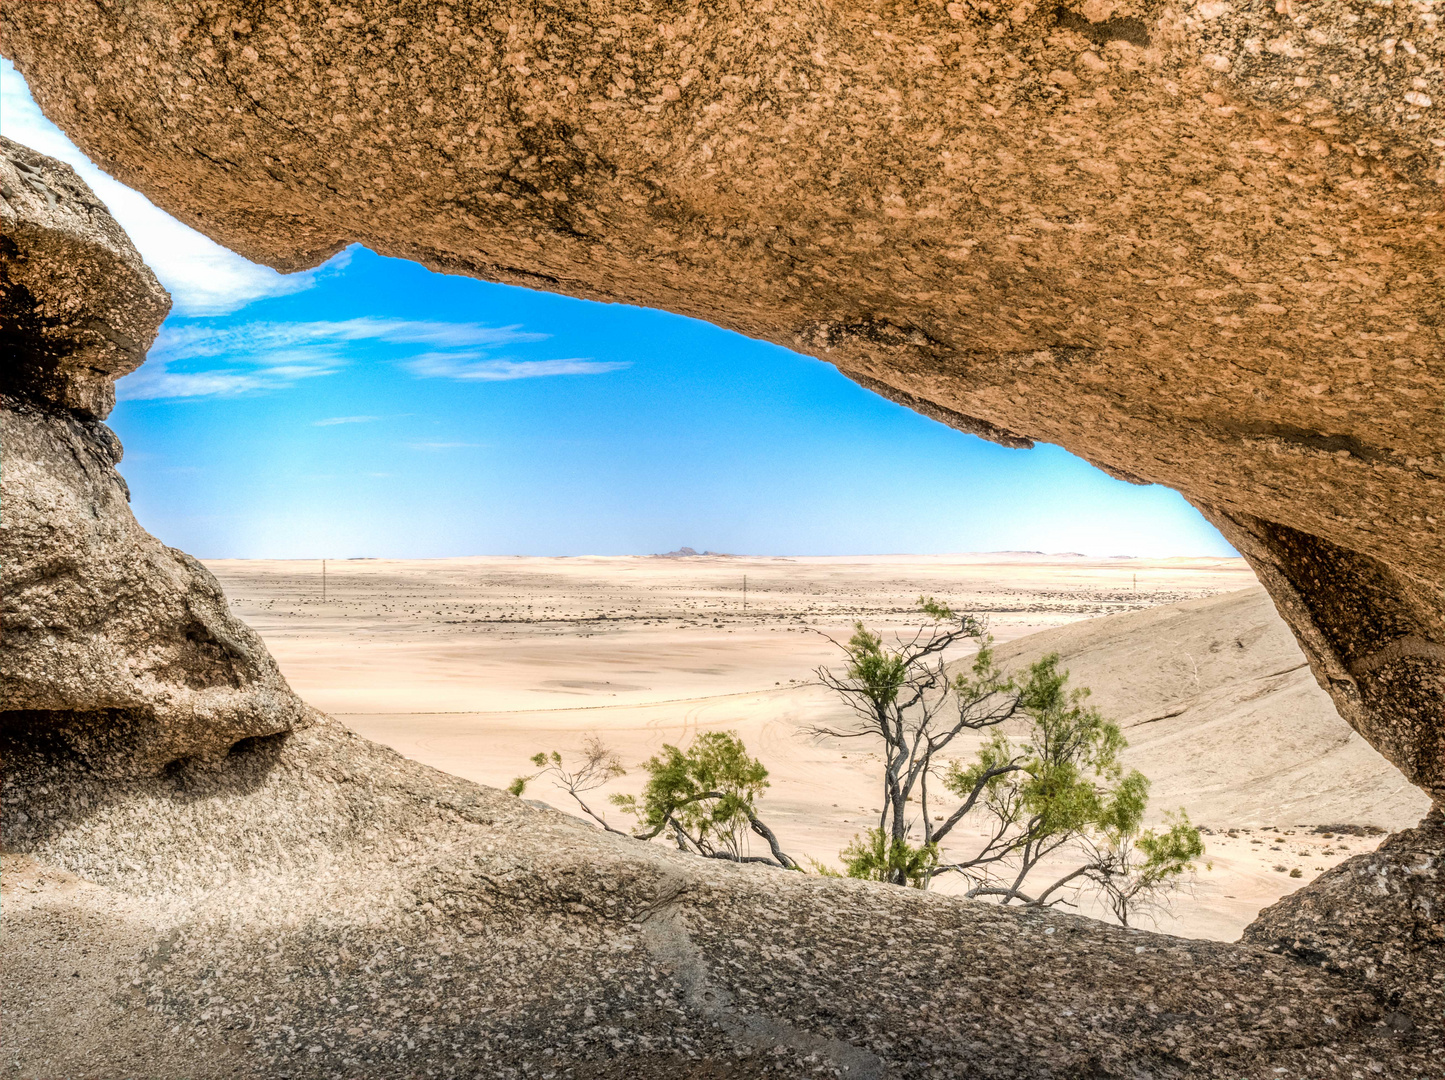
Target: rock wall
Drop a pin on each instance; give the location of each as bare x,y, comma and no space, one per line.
1198,243
105,628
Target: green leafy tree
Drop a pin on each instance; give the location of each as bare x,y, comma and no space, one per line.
1057,790
1136,869
1046,790
904,699
705,798
1068,795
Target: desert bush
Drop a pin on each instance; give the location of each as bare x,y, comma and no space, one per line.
876,856
1057,789
702,798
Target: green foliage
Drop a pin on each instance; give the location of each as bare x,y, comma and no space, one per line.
1057,786
875,856
988,678
1173,851
708,790
1121,812
1135,869
1062,785
517,786
879,672
1064,776
936,610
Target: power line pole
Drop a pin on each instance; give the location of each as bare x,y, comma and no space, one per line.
323,580
745,594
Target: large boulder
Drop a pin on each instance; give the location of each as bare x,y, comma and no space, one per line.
107,630
1377,917
1198,243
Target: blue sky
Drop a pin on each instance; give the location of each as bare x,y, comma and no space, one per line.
373,408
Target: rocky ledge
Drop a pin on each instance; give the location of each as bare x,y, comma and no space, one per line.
316,906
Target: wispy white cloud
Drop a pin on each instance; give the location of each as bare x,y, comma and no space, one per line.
478,367
203,277
253,356
332,421
201,339
274,370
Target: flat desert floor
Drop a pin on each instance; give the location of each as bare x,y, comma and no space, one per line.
472,665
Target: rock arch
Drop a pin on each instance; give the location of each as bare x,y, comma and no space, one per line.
1198,244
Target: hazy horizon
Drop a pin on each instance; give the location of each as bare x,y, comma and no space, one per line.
699,554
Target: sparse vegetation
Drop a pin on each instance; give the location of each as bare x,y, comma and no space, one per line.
1050,789
705,798
598,765
1056,791
877,856
702,798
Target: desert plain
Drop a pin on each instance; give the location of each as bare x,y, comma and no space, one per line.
472,665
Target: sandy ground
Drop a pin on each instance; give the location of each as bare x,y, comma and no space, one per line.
473,665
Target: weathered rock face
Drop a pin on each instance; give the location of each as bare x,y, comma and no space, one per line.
78,308
1197,243
105,628
317,906
1377,917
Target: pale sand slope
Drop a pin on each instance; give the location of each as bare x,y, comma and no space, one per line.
472,665
1222,713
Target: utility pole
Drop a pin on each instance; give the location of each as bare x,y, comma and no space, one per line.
745,594
1136,582
323,580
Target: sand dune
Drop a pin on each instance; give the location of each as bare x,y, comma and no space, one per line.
472,665
1222,713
